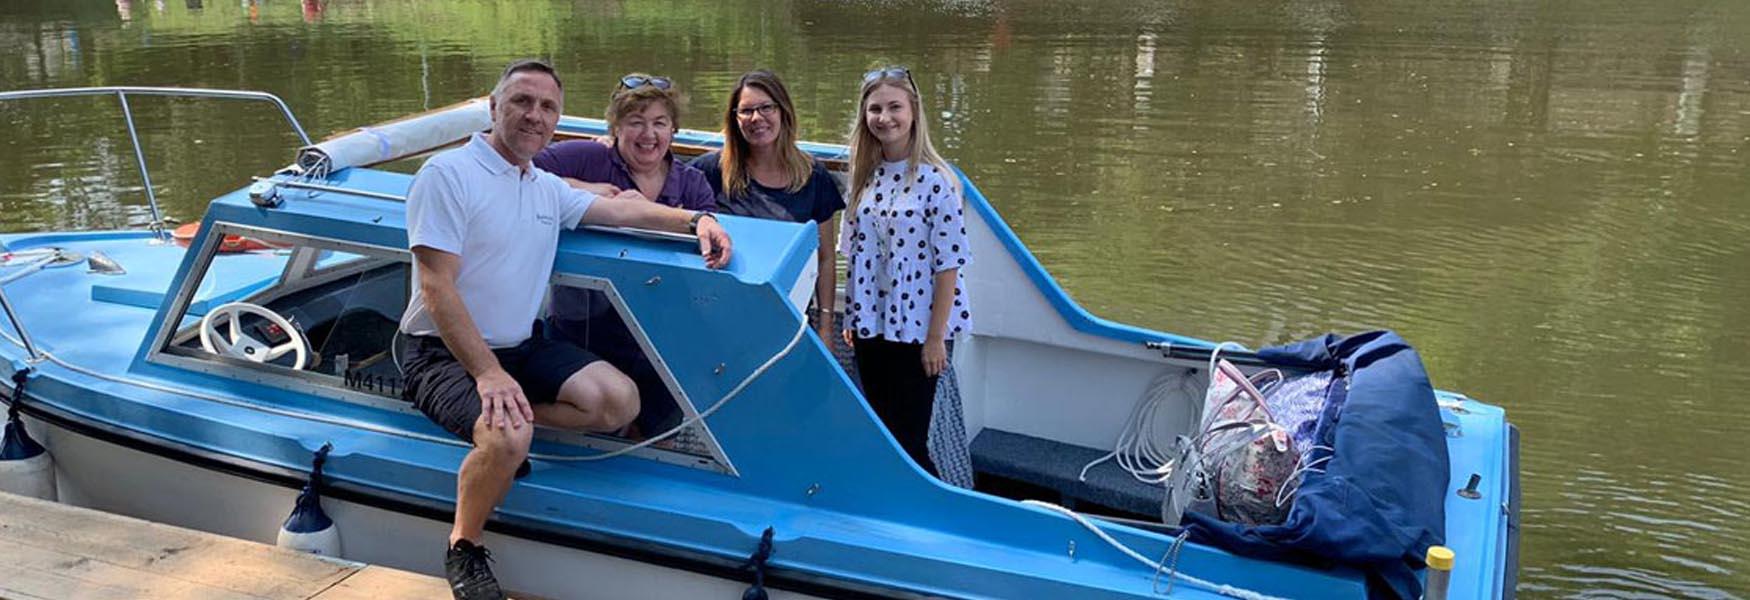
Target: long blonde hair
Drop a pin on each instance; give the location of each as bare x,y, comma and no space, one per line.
866,150
736,150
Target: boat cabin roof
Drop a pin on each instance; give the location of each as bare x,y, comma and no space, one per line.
336,268
766,252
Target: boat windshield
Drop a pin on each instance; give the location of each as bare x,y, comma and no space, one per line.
322,317
324,311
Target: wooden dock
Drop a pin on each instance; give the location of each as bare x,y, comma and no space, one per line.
51,551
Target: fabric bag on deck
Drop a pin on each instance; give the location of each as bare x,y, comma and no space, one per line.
1244,454
1380,500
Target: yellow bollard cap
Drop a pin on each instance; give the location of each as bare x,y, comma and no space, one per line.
1440,557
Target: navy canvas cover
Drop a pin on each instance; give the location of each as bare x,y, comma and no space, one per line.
1380,503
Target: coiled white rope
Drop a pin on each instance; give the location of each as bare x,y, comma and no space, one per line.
1208,586
1137,451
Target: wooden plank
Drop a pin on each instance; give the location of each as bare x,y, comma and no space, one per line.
379,583
58,551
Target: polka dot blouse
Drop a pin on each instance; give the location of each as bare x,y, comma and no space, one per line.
904,231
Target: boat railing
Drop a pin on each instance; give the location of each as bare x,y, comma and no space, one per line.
122,92
18,326
617,230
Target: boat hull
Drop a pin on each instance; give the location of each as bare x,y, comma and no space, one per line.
119,479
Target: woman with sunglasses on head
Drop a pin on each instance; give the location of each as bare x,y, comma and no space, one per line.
761,173
906,242
643,115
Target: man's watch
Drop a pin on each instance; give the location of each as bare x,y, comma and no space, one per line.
693,223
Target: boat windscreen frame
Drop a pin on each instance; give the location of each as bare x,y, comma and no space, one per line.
302,274
689,412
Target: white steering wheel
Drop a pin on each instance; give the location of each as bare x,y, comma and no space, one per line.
244,346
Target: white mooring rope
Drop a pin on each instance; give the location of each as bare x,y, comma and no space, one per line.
1209,586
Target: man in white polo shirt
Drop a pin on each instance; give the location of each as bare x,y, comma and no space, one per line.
483,224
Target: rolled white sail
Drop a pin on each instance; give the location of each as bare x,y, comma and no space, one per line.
385,142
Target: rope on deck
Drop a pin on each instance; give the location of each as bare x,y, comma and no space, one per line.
1208,586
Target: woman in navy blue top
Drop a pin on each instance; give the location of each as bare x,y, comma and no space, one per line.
761,173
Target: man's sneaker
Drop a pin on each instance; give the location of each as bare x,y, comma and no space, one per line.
470,577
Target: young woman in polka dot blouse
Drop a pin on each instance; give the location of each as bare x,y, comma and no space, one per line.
905,241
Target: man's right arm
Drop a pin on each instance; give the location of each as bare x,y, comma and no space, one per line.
502,399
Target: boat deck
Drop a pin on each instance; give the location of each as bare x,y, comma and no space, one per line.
61,551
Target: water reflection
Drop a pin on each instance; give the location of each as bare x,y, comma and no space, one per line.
1546,197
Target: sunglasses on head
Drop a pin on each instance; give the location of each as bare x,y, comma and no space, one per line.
656,81
890,73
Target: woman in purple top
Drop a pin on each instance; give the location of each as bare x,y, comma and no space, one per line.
642,117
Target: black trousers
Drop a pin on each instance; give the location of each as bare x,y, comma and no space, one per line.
899,391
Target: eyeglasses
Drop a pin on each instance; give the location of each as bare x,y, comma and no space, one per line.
890,73
766,110
656,81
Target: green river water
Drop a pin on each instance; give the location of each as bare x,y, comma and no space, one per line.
1548,197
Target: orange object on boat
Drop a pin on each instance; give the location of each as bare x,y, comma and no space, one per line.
185,234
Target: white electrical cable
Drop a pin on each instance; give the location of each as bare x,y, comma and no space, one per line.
1215,355
1137,450
1301,468
1209,586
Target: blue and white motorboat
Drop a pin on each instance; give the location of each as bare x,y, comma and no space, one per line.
194,385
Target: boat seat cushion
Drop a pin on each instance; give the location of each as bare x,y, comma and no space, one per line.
1056,465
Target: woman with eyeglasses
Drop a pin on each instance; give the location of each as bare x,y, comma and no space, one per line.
906,242
643,115
761,173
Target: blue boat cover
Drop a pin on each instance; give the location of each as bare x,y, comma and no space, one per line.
1380,503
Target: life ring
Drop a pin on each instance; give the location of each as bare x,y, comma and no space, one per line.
185,234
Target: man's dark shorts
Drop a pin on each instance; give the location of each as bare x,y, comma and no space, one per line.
439,386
